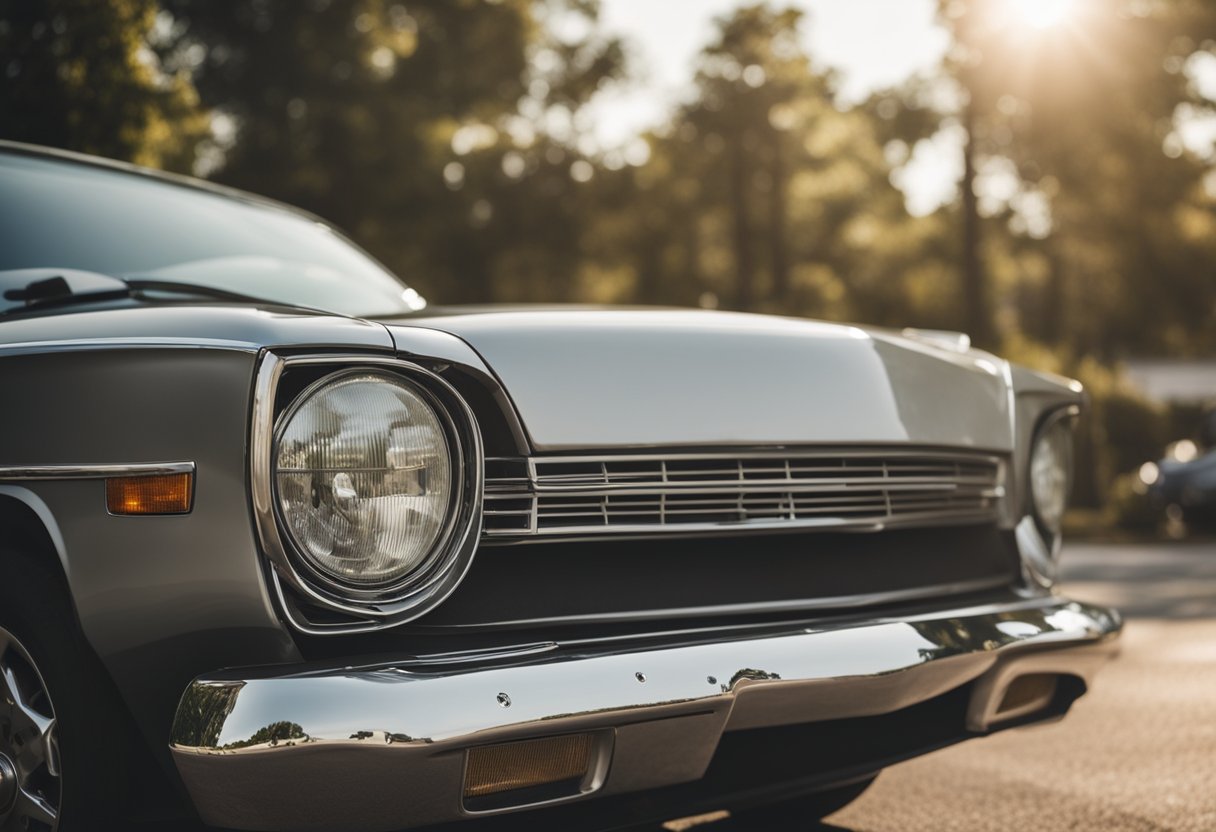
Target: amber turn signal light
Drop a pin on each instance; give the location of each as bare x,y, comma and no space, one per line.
157,494
493,769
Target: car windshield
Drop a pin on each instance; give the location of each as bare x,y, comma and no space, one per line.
66,215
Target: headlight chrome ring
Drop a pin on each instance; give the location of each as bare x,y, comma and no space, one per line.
1050,471
366,487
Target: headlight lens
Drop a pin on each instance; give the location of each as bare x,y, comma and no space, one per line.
1051,473
364,478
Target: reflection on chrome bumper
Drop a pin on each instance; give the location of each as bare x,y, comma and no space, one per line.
384,747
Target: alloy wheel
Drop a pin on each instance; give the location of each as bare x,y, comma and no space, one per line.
30,784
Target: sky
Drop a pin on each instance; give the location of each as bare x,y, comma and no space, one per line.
665,36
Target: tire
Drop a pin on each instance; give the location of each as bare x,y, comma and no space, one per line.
807,809
53,690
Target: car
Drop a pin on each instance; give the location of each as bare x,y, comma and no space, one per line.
1182,485
285,548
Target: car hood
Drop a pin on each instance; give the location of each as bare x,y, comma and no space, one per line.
623,378
603,379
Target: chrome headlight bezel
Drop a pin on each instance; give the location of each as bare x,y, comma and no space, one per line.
1039,542
437,575
1056,427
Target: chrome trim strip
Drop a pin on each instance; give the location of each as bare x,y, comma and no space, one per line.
791,452
127,342
91,471
764,487
512,537
668,706
460,540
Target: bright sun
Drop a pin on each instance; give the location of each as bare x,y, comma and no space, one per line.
1042,14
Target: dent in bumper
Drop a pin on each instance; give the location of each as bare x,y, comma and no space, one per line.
383,747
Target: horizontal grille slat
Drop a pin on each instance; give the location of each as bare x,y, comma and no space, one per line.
870,488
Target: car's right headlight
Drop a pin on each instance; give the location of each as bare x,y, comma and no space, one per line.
363,479
1051,461
1049,481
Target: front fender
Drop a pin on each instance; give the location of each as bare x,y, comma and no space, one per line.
159,598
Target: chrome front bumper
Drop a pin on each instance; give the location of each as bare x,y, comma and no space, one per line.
384,747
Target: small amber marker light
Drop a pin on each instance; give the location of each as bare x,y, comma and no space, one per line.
157,494
493,769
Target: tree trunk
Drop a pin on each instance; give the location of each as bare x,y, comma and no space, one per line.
744,261
1054,331
650,264
778,254
691,271
975,282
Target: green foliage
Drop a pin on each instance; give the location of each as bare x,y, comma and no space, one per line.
1129,507
404,124
1136,430
201,714
762,193
79,75
449,137
1086,112
272,734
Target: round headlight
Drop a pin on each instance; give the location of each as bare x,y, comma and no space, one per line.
363,479
1051,473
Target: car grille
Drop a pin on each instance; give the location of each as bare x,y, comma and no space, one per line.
655,494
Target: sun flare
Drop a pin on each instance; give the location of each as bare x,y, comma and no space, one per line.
1042,14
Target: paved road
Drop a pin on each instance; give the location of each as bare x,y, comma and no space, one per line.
1137,754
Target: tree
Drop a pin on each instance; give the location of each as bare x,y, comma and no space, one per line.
404,123
1085,110
78,75
272,735
751,80
764,191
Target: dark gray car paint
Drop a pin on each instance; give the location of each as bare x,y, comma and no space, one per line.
178,594
163,599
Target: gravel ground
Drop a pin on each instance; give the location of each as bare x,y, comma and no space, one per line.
1137,753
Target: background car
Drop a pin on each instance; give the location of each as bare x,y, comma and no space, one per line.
1182,484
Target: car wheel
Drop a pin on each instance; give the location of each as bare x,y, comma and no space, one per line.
59,768
806,809
29,742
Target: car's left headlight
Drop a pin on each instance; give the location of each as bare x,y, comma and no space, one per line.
1051,461
364,480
